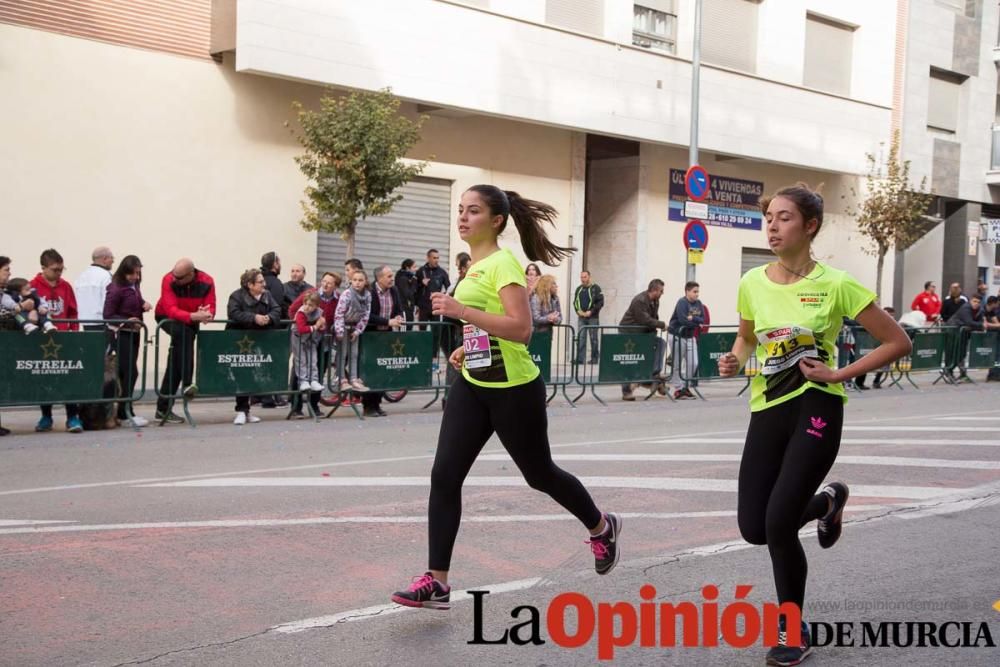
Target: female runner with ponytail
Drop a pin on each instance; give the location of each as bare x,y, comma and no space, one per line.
500,390
790,313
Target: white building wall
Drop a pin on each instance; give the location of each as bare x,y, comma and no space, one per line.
461,57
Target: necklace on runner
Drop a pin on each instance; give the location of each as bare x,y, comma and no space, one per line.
800,275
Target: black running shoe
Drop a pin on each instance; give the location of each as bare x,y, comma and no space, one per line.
605,547
425,591
784,655
829,527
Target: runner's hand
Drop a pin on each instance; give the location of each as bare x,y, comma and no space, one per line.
457,358
442,304
729,365
817,371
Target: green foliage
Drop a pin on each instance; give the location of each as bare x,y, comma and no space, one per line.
353,145
891,212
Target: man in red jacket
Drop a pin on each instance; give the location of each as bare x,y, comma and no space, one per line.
928,302
187,298
57,295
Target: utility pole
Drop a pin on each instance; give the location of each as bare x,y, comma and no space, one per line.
695,81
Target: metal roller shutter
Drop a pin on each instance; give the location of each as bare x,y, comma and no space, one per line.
419,221
729,34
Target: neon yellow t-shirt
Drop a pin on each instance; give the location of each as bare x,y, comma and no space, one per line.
491,361
797,321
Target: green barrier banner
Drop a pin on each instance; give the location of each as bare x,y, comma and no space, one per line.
242,361
540,349
982,350
61,366
627,357
711,348
391,360
928,349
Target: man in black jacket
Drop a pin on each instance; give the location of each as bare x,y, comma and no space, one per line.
270,268
951,303
432,278
587,302
406,285
644,313
386,314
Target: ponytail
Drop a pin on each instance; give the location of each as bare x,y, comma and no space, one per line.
528,217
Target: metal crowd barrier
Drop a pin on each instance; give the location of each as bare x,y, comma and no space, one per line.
86,367
628,355
553,350
697,358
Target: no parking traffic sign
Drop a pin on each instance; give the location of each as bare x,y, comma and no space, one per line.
696,182
695,235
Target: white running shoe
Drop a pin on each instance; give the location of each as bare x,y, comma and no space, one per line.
304,386
30,328
241,418
316,386
358,385
48,327
139,422
252,419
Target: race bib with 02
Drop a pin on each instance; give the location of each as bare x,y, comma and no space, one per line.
785,347
476,343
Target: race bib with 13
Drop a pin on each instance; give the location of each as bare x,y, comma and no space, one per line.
476,343
785,347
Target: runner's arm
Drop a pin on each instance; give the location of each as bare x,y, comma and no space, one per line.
743,347
514,325
880,324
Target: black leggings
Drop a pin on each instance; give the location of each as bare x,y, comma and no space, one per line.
789,450
517,415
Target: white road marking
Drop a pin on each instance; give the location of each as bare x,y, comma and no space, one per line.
929,429
655,483
735,458
967,419
311,466
917,441
968,499
24,522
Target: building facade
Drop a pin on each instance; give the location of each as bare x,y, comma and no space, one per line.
158,128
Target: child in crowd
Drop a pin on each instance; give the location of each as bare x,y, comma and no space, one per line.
307,334
353,310
20,290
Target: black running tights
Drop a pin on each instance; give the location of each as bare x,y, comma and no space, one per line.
789,450
517,415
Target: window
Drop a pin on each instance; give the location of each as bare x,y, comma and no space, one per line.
579,15
751,258
942,100
654,25
729,33
828,55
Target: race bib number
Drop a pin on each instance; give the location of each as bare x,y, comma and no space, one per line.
785,347
476,343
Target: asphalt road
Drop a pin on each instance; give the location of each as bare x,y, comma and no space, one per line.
280,542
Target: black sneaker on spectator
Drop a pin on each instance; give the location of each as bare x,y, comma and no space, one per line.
169,417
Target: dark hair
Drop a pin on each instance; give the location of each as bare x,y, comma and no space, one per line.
534,266
928,284
407,263
975,295
990,300
432,250
587,271
130,264
690,285
355,264
808,201
463,257
890,310
655,283
268,259
528,217
15,285
249,277
333,275
4,261
50,256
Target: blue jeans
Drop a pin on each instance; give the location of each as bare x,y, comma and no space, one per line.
581,344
